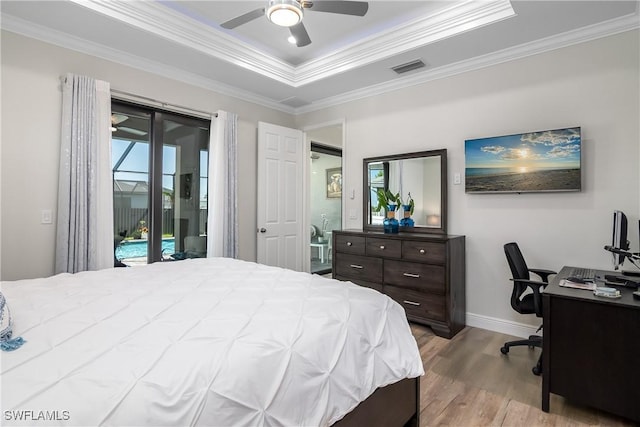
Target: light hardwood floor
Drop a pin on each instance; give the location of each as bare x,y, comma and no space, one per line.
468,382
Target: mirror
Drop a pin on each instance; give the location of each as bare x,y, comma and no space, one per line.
423,174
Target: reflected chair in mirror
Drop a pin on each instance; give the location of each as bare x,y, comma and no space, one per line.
526,302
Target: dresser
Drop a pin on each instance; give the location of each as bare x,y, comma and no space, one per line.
425,273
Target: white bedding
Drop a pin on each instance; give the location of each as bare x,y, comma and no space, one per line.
216,342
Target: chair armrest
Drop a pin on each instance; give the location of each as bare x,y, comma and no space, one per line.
533,284
537,297
544,274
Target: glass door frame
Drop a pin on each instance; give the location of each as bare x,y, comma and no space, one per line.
155,163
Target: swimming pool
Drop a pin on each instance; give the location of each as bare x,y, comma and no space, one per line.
138,248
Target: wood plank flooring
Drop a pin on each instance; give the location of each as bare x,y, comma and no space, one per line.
468,382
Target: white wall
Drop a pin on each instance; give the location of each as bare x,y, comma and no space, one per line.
31,108
593,85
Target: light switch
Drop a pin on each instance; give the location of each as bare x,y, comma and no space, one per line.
46,217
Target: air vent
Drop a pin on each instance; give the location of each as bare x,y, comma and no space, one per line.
409,66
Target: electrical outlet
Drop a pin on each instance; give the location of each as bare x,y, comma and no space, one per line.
456,179
353,214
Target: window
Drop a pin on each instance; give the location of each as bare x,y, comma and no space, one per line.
377,172
159,165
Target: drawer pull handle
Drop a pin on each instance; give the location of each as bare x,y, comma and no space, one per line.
382,247
349,243
356,266
411,303
415,276
421,251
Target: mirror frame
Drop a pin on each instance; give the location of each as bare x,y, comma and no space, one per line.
443,191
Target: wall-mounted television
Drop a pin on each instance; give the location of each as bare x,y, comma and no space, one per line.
547,160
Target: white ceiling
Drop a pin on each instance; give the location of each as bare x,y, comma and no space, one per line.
350,57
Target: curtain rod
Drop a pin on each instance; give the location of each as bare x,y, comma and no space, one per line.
126,96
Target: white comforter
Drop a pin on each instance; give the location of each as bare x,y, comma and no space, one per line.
215,342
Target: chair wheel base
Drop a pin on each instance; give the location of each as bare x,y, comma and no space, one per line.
504,350
536,370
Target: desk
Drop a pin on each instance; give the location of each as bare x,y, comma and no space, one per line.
591,348
322,247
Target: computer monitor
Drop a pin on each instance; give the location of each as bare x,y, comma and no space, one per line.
619,237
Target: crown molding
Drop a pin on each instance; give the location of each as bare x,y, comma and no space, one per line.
457,19
165,22
64,40
596,31
608,28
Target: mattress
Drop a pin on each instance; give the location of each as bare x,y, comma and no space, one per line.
215,341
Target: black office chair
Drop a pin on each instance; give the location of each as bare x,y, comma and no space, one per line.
530,303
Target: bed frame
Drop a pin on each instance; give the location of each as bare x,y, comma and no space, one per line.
395,405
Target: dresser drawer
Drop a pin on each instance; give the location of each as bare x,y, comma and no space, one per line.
372,285
414,250
359,268
384,247
423,277
350,244
424,306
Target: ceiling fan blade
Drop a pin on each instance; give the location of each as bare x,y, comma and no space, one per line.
299,32
357,8
131,130
243,19
116,118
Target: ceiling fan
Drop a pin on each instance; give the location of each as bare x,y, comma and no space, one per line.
116,119
289,13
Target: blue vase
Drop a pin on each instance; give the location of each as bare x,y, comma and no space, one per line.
407,221
390,223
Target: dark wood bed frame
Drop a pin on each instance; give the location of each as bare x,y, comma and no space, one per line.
395,405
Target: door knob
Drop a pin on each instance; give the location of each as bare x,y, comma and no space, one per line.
263,230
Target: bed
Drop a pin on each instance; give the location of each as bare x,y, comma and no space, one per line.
215,342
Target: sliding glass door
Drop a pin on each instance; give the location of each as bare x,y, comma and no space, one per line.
159,164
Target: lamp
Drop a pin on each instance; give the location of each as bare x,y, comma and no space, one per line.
285,13
433,220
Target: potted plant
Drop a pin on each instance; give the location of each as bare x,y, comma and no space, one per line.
388,201
408,208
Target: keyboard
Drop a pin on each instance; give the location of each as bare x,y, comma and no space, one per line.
583,273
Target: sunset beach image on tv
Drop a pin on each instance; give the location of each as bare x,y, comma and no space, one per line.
528,162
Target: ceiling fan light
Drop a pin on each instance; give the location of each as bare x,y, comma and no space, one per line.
285,13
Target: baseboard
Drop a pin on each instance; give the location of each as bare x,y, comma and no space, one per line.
500,325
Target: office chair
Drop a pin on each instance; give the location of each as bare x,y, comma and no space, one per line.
530,303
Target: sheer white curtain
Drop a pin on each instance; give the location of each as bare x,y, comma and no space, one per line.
84,239
222,220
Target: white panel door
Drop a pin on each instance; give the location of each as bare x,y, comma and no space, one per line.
280,196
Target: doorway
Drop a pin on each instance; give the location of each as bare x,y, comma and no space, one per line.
325,203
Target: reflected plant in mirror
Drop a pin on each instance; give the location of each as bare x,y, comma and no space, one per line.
408,207
421,176
388,202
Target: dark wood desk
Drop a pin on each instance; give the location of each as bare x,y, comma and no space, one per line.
591,348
